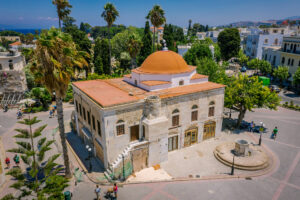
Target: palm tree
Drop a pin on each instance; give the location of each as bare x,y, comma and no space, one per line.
110,15
157,18
134,47
62,9
52,65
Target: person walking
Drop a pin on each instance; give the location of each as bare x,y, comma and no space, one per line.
7,162
97,191
50,113
275,132
251,127
17,160
53,112
115,190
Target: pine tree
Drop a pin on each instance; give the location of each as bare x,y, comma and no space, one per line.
146,49
98,65
42,179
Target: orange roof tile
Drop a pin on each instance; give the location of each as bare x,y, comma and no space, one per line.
17,43
116,91
198,76
127,75
104,93
152,83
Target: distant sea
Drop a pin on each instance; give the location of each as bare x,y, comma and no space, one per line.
24,31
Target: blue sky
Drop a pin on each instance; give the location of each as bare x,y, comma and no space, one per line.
42,14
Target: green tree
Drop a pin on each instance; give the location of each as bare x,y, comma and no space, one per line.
85,27
243,59
101,49
29,37
296,78
281,73
254,64
62,9
265,67
134,46
101,31
246,93
146,48
42,181
189,28
69,24
157,17
229,42
42,95
54,58
215,72
168,36
197,52
98,65
125,61
110,15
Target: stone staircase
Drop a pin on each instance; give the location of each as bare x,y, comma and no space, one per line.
110,170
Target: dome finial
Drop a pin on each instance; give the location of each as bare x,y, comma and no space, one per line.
165,46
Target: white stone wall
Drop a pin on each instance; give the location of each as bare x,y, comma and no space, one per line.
17,61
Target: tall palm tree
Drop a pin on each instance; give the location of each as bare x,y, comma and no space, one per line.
134,47
157,18
62,9
110,15
52,65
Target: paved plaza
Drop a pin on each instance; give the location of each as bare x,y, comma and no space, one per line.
282,182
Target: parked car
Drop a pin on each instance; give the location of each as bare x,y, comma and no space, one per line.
243,69
274,88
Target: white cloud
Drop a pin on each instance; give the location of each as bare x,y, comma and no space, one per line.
48,18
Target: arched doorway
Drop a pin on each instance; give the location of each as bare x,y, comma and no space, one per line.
209,130
190,136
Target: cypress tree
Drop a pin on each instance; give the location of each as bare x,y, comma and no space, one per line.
146,49
101,56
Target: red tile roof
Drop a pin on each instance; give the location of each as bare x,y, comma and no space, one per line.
116,91
16,43
198,76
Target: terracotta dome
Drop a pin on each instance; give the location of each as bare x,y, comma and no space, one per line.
164,62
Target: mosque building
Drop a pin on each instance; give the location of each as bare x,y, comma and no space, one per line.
162,106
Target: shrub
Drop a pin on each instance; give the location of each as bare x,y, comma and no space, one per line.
37,109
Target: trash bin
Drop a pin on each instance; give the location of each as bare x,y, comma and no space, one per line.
67,195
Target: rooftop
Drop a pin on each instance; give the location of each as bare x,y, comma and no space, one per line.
112,92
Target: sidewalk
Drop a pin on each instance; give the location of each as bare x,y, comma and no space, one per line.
199,162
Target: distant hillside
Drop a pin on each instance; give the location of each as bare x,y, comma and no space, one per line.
264,22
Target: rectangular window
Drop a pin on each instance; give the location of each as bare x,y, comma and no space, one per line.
80,110
173,143
93,121
89,117
84,115
175,120
120,129
99,128
76,104
211,111
194,115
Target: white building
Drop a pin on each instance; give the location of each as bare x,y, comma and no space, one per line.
162,106
213,35
182,49
201,35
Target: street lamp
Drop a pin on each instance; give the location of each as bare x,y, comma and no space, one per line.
89,149
261,129
232,167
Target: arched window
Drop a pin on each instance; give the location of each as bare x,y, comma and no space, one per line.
266,41
276,41
181,82
289,61
194,113
283,60
292,63
266,56
284,49
11,66
120,127
211,109
175,117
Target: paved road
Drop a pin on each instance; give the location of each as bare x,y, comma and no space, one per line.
290,96
283,184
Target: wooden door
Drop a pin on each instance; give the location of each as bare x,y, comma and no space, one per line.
134,133
209,130
99,151
139,159
190,137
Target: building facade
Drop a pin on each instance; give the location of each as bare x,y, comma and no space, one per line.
256,42
162,106
272,55
12,77
290,53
